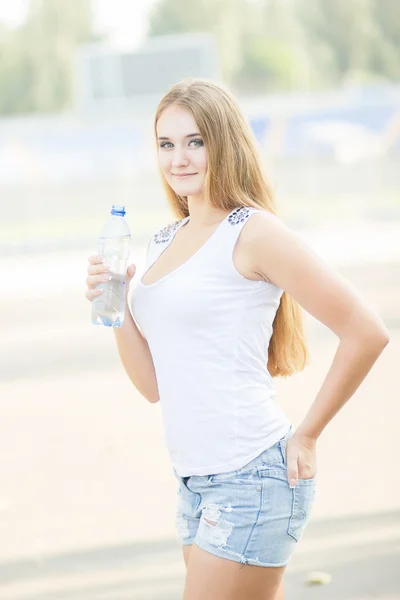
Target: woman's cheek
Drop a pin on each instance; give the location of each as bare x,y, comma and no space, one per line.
164,167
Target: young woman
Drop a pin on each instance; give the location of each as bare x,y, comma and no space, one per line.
215,317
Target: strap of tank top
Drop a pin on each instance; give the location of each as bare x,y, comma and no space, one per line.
161,239
235,223
225,241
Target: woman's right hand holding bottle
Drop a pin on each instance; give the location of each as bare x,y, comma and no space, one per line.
99,273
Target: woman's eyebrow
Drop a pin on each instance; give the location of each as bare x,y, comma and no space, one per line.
186,136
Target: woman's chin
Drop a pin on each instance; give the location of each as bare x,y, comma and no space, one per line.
182,190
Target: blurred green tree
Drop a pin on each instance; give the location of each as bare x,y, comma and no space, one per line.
226,19
271,58
36,60
357,41
254,38
292,44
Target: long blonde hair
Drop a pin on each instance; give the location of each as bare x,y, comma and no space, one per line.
235,178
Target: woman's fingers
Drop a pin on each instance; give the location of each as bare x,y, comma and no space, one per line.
91,294
291,462
99,273
92,280
97,269
93,260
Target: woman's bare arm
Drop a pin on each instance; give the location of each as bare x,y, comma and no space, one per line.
280,256
133,348
136,358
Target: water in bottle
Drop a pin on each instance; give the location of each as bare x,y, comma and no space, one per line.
114,246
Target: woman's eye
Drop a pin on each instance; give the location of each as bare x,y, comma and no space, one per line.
198,144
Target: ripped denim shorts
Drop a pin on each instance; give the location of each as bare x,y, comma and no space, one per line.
250,515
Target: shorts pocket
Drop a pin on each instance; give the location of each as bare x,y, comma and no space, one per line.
236,478
303,496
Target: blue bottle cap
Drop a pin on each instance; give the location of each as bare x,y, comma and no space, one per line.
118,210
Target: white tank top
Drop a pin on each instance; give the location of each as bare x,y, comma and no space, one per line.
208,330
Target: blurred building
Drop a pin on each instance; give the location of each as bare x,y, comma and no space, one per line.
110,81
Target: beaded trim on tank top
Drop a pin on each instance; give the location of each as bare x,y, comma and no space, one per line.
239,215
164,234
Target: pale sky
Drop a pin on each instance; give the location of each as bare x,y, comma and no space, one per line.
123,20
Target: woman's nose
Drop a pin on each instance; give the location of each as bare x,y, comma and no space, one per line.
179,158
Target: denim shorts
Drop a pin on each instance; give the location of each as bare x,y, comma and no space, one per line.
250,515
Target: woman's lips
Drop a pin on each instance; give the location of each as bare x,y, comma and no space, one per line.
186,175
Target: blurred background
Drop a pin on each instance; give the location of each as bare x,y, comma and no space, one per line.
87,494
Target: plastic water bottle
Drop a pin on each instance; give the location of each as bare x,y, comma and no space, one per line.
114,247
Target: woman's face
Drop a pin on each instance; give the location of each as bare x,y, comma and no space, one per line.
181,151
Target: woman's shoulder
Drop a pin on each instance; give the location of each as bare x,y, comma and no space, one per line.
261,218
